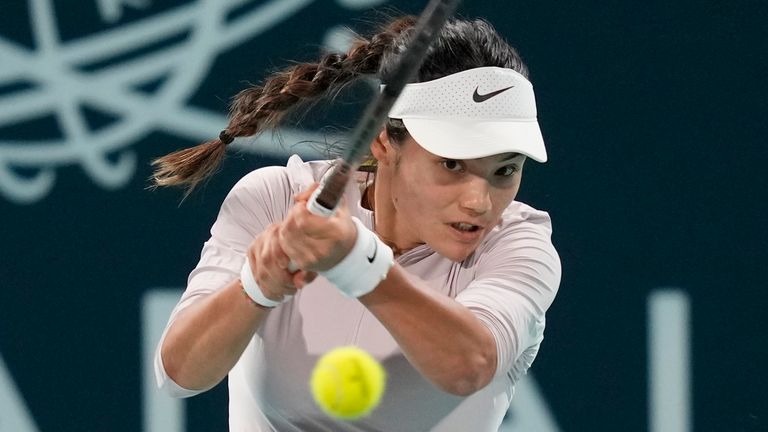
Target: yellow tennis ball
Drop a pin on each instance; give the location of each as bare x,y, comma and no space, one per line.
347,383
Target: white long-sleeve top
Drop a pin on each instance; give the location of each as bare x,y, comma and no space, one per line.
508,283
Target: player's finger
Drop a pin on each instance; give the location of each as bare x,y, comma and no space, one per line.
271,273
287,242
302,278
277,254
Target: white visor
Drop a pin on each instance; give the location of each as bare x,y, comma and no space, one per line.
472,114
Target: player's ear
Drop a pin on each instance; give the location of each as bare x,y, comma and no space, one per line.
382,148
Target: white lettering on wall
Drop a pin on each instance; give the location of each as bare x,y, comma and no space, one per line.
669,363
14,415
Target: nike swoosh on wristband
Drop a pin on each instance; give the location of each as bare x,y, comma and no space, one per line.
375,249
477,97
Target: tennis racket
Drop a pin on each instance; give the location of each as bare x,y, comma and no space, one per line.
327,196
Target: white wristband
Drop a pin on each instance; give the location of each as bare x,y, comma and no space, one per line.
253,290
366,265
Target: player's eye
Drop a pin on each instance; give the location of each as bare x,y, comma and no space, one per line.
452,165
507,171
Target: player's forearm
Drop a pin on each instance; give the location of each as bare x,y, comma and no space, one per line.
206,340
440,337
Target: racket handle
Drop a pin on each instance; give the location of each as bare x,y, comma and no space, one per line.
316,208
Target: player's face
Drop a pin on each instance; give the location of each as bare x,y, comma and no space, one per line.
451,204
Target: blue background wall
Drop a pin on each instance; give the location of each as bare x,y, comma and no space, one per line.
655,118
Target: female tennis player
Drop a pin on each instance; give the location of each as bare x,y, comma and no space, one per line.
431,266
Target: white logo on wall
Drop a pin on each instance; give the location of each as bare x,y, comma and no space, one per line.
57,79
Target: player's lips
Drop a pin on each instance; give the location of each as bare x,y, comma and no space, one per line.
466,231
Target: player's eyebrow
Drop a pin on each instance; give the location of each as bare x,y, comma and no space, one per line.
509,156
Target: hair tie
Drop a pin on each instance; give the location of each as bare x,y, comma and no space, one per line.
225,137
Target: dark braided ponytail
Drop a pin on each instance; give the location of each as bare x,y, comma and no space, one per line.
259,108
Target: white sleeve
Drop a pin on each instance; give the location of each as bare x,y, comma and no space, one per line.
517,277
257,200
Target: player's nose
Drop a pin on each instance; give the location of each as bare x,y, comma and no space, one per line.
475,197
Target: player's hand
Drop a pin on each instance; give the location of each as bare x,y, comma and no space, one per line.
270,266
313,242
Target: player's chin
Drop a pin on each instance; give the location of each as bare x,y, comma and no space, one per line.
457,249
456,252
